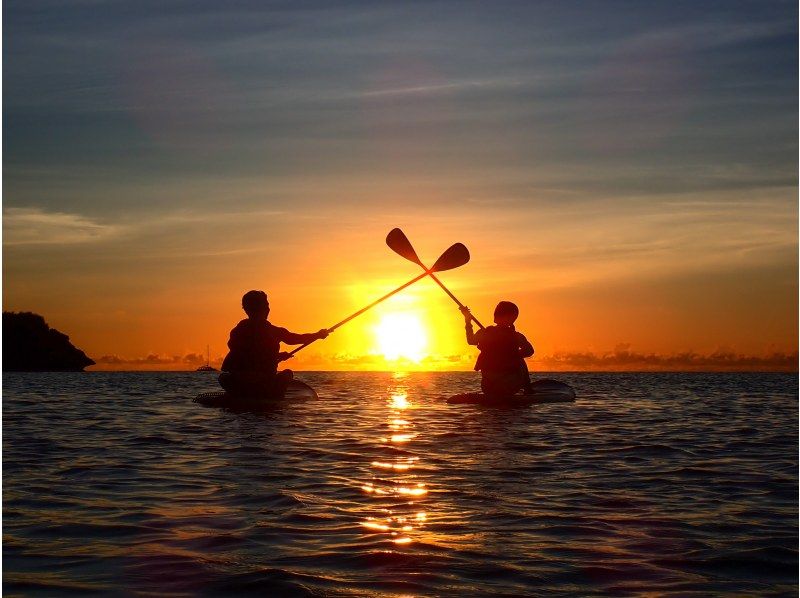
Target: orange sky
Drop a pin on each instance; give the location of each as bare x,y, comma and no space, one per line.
586,282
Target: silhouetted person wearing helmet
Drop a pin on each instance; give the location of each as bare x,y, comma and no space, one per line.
502,352
251,366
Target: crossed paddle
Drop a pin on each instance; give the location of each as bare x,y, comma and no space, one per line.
453,257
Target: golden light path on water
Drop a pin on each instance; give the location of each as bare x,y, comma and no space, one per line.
394,482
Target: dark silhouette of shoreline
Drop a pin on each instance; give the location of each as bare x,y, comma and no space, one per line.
30,345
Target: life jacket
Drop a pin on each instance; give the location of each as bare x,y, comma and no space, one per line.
499,346
254,346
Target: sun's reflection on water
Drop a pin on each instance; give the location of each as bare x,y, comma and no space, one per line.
395,484
397,466
399,400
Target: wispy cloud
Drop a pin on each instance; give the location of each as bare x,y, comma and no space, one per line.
35,226
442,87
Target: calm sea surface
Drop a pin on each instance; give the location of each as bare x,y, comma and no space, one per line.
117,483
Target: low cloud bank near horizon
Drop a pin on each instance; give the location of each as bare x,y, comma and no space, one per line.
621,359
152,359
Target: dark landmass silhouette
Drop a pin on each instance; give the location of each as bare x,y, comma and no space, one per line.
30,345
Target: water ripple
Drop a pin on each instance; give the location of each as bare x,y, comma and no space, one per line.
664,483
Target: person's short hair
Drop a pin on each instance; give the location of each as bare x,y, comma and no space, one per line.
506,308
252,301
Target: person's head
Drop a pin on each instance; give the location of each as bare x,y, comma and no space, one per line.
506,313
255,304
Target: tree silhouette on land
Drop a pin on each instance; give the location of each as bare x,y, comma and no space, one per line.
30,345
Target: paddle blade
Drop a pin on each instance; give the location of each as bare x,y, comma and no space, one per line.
456,255
399,243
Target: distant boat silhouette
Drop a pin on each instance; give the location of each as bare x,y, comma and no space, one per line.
207,367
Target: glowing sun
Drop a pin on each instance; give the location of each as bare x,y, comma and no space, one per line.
401,335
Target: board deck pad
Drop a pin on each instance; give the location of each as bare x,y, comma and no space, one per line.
297,390
544,391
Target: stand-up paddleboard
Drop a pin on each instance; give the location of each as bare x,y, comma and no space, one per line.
296,390
544,391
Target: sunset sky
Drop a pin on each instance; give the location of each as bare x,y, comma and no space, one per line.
626,172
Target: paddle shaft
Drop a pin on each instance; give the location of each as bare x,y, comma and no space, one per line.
453,297
371,305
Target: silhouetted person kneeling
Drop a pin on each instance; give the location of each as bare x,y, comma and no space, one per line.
251,366
503,352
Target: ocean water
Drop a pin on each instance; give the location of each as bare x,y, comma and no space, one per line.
117,483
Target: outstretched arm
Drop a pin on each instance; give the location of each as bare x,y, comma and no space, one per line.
294,338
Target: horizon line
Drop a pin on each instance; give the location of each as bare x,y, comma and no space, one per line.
796,370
